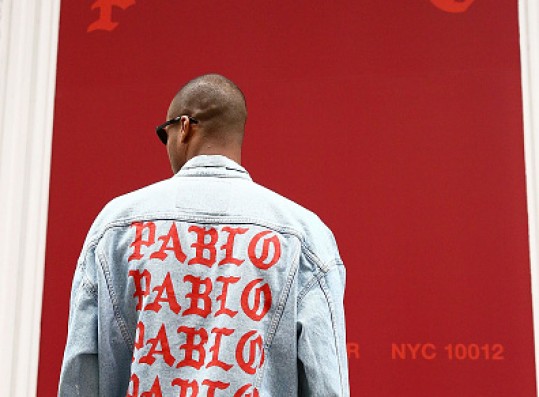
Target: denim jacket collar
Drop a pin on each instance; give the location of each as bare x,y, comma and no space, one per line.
213,165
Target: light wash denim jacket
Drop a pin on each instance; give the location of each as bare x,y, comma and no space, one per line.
207,284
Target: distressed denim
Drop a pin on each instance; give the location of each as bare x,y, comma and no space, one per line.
207,284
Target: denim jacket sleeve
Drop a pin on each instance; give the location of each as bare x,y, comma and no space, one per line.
322,360
80,368
95,344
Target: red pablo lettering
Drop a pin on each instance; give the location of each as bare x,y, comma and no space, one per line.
190,346
139,337
209,247
134,384
172,236
201,246
258,261
139,340
247,391
249,353
140,226
196,295
162,340
263,249
215,362
222,298
188,388
229,246
256,312
256,297
155,391
185,386
140,292
255,344
167,288
105,21
213,385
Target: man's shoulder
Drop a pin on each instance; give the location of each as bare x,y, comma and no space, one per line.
164,199
129,206
140,199
313,231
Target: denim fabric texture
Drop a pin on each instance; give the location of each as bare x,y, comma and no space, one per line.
207,284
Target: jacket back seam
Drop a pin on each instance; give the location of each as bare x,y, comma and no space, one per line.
114,301
285,293
215,219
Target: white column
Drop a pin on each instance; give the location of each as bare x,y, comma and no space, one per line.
28,48
529,52
1,19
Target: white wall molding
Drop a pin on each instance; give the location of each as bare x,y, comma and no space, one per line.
1,18
28,48
529,55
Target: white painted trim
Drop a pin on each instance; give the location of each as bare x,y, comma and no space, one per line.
529,55
28,48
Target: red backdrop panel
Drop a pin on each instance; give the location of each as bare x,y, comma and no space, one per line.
399,123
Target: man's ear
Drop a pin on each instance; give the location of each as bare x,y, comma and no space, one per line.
186,130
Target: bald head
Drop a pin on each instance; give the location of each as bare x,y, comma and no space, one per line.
219,107
215,101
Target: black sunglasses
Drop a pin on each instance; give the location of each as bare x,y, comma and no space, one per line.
161,131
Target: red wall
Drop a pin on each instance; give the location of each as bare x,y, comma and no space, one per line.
399,123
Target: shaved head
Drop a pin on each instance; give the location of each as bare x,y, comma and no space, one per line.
215,101
218,106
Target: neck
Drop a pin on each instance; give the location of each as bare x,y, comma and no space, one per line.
208,149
